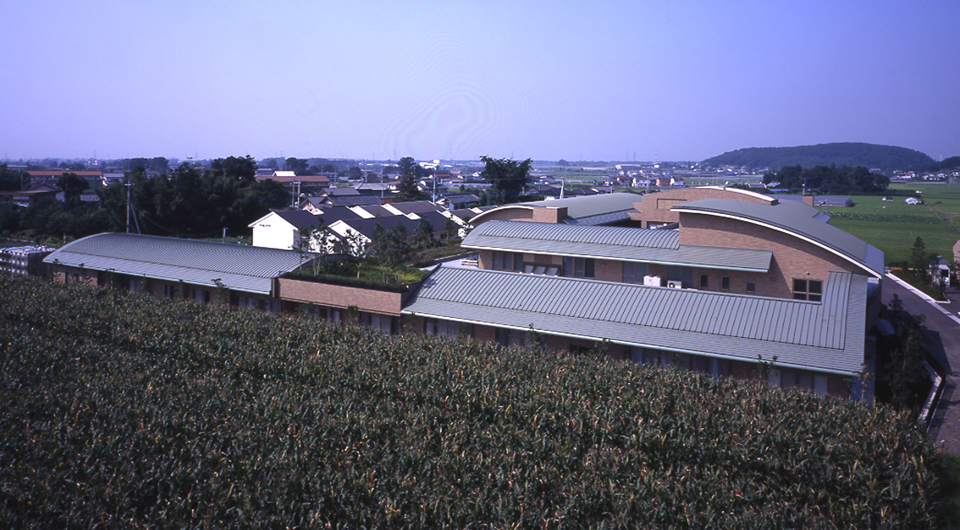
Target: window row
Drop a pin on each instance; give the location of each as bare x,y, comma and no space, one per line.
572,267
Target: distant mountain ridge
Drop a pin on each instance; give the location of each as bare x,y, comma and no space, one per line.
808,156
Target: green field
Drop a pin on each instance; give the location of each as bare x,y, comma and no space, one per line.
893,226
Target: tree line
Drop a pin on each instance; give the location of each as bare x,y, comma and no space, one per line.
829,180
185,201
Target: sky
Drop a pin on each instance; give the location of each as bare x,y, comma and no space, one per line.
602,80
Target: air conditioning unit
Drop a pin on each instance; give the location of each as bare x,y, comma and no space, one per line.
651,281
674,285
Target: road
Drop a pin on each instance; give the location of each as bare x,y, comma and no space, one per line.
944,343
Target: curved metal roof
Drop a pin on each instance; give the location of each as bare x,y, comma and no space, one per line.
798,220
239,267
590,209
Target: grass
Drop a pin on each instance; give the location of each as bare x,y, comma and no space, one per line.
908,276
894,237
949,473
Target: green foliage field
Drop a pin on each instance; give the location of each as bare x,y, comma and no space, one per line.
122,411
893,226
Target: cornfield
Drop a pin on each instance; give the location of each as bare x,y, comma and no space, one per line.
124,411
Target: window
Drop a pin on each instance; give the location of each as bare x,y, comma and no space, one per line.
446,328
807,290
577,349
514,338
634,272
578,267
804,381
751,287
201,296
684,275
724,283
170,291
382,323
255,303
704,281
507,261
541,268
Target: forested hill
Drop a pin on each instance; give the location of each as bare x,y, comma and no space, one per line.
840,154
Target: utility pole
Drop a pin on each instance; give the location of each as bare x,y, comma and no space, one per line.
128,202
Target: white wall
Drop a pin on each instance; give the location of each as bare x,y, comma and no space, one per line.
273,232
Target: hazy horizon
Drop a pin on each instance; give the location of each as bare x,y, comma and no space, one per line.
611,81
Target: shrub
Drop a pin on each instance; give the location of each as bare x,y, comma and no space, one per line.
124,411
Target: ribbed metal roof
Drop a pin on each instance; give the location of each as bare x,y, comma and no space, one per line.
827,335
602,235
590,209
239,267
608,242
795,218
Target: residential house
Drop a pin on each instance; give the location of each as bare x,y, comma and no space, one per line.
307,184
341,197
282,229
37,194
93,178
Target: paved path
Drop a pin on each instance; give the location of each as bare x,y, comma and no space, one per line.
943,325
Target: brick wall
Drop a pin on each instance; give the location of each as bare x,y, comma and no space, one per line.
549,214
792,257
340,296
71,275
508,214
655,207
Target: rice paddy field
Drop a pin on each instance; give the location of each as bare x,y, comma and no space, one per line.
893,226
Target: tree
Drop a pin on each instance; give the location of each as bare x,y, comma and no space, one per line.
297,165
508,178
920,260
13,180
72,186
423,233
407,189
243,169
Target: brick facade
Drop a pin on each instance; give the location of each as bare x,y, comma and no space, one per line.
340,296
793,258
655,207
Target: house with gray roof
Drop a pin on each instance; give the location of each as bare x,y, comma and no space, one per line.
283,229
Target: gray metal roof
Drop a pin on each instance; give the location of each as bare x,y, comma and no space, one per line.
610,242
797,219
239,267
581,209
823,336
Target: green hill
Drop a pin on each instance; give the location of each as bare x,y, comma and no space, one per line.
125,411
885,157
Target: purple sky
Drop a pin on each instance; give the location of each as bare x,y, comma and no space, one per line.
675,80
